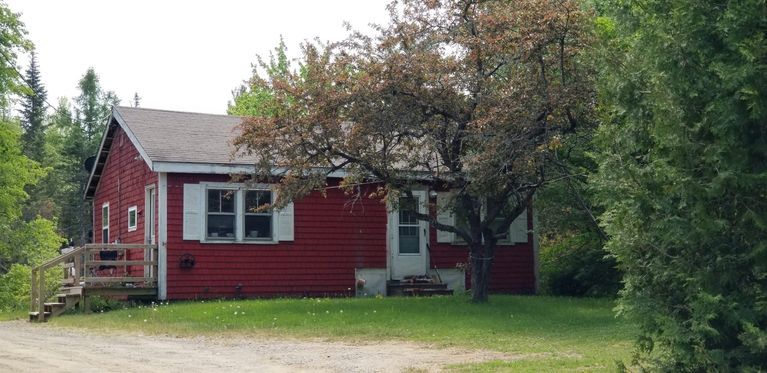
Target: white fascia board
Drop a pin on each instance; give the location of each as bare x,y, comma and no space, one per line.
222,169
98,155
132,137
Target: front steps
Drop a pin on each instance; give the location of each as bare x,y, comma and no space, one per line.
420,286
67,298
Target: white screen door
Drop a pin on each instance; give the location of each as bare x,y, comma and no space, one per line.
408,238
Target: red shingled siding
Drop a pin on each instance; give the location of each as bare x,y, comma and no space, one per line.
332,238
513,269
123,184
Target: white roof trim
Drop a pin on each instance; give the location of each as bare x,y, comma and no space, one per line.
222,169
132,137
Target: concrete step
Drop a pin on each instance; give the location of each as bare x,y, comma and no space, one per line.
33,316
426,292
407,288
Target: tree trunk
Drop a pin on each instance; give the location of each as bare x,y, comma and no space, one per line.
481,262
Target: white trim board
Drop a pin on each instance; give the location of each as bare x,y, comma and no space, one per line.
162,233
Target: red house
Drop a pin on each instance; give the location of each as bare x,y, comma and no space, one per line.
163,177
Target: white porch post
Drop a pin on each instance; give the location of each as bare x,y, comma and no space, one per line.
162,232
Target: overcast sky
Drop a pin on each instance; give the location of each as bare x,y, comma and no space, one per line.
178,55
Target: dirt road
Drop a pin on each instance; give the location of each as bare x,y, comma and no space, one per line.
26,347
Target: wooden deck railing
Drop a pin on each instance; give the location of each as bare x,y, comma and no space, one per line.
81,268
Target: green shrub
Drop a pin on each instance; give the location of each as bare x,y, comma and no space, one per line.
103,304
577,265
14,288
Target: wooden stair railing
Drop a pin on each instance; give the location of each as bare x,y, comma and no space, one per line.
80,274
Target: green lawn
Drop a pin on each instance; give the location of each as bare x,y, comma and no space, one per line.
552,334
13,315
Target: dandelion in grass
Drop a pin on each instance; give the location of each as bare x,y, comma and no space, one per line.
145,320
235,313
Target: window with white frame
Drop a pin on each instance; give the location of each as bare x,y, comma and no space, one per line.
105,223
257,221
229,212
132,218
517,232
221,217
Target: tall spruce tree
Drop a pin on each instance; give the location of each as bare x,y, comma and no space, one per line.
683,175
81,137
33,113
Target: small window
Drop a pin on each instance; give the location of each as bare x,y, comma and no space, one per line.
258,223
504,237
132,218
105,223
504,232
221,215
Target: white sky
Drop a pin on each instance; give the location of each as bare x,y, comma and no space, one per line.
178,55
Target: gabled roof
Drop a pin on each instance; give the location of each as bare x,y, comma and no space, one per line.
174,141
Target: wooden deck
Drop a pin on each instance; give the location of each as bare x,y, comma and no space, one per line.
120,270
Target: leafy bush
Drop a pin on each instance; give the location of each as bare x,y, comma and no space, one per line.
15,286
577,265
102,304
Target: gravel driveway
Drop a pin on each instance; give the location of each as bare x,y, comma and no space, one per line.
26,347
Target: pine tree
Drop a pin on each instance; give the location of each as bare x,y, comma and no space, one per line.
136,100
81,134
33,113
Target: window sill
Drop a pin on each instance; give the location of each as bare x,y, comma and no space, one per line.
243,242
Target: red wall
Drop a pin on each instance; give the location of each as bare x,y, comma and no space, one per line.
123,184
332,238
513,269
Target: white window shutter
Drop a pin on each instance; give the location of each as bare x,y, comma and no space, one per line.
518,229
192,214
444,216
285,223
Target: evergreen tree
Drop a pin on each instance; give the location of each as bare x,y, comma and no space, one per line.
81,134
92,107
136,100
33,113
683,174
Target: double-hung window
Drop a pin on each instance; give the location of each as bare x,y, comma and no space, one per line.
258,223
221,216
217,212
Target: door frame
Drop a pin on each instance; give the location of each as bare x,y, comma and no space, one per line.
392,254
150,219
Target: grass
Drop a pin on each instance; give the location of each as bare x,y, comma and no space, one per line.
6,315
549,334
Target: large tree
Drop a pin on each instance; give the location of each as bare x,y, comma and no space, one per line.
81,134
33,113
460,95
683,175
92,107
21,242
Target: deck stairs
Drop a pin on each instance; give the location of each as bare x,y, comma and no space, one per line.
417,286
94,269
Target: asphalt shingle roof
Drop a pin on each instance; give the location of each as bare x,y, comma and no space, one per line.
174,136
